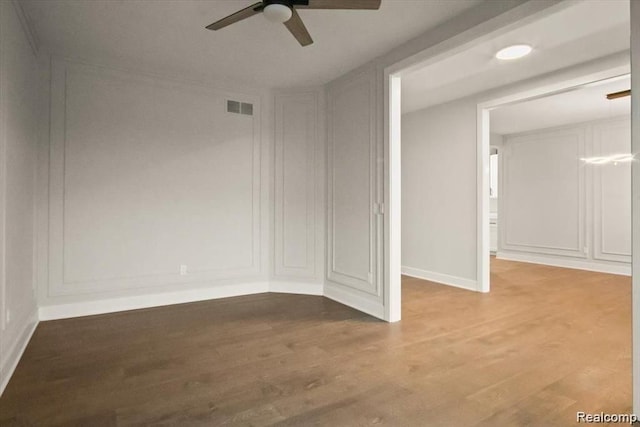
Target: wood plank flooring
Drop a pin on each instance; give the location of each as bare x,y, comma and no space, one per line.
545,343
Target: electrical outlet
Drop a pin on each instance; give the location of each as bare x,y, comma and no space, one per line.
183,270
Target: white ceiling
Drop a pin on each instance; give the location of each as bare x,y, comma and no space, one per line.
580,105
169,37
579,33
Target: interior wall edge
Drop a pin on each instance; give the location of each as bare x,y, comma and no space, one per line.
635,191
18,120
42,181
13,356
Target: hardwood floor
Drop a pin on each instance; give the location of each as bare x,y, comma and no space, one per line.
545,343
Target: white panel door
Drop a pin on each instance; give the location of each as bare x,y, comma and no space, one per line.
612,192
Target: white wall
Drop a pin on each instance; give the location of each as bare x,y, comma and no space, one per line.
555,209
19,115
299,191
353,193
141,174
439,193
144,175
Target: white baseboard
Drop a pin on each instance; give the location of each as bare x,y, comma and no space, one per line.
302,288
370,306
621,269
445,279
88,308
9,364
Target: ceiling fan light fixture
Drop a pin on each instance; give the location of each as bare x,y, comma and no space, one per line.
278,13
284,12
514,52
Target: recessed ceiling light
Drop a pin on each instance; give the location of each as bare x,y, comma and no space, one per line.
514,52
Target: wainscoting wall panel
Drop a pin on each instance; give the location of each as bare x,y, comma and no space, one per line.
296,139
611,191
152,183
557,209
352,184
543,192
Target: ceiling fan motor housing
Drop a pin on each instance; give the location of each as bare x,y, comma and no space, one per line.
284,12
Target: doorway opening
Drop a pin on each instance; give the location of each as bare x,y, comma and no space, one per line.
450,237
451,194
564,195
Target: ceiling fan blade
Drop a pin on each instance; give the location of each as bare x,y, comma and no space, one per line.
297,28
245,13
341,4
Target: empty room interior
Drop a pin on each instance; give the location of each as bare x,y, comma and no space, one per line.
319,212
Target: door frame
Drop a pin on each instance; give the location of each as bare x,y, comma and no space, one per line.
392,84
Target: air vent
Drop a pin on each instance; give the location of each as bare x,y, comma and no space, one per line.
246,109
238,107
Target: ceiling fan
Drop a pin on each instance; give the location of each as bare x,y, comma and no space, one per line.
284,11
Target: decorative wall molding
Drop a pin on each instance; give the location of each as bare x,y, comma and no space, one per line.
600,223
444,279
296,137
361,85
604,144
572,137
62,72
